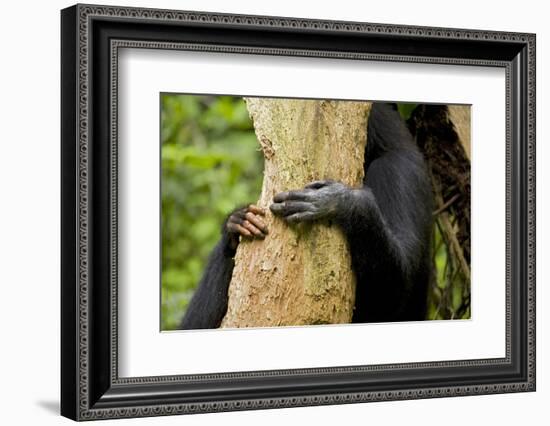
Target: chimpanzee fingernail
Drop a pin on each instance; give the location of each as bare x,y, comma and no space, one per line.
280,197
276,208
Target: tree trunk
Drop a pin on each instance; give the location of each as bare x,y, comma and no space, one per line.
299,274
459,115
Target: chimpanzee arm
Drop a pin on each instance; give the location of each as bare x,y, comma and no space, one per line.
388,228
209,303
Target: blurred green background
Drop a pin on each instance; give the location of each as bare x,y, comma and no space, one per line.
211,163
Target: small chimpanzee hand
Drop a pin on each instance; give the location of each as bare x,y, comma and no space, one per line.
318,200
245,221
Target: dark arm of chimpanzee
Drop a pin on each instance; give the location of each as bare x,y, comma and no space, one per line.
388,228
209,303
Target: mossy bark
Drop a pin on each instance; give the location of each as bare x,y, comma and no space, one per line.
299,274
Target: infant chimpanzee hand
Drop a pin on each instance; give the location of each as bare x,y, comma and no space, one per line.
246,222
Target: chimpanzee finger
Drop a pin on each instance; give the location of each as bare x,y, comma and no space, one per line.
299,195
252,229
256,210
256,221
290,207
318,184
238,229
301,217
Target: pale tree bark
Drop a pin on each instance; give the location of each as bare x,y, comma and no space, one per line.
299,274
459,115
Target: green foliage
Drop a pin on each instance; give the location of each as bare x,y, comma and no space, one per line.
405,110
211,163
449,296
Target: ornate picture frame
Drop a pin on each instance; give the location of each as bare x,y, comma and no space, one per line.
91,37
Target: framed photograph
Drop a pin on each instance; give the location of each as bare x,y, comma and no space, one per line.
263,212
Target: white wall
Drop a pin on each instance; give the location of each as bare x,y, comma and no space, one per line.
29,210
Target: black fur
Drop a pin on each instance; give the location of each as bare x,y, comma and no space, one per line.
387,223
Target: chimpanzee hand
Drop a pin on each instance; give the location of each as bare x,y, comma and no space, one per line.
245,221
318,200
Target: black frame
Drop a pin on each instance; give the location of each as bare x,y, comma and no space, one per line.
90,386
